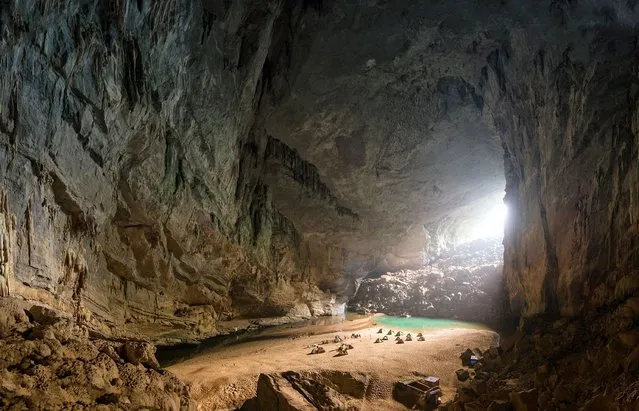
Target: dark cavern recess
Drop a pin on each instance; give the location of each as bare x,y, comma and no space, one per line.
173,171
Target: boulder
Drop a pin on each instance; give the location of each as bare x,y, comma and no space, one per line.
478,386
630,339
140,352
353,384
319,395
462,374
510,342
12,314
44,315
274,392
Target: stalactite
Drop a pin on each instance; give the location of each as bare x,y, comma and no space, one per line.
306,174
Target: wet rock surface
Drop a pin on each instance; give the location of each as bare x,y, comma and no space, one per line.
52,364
553,364
463,283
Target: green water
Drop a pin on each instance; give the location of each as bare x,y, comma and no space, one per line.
423,323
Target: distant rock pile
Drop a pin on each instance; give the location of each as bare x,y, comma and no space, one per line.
464,283
587,364
48,362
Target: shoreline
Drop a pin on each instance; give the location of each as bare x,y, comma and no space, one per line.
173,354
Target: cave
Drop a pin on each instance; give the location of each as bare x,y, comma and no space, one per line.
216,204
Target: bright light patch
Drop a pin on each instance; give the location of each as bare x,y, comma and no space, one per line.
492,224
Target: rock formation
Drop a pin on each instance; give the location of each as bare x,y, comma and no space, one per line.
130,165
464,283
584,363
48,363
323,390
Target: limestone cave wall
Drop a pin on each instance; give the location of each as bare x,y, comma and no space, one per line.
130,162
565,104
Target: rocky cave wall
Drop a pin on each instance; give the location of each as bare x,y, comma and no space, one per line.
566,107
130,167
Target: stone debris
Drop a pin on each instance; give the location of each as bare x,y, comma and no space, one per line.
470,273
462,374
141,352
578,363
47,362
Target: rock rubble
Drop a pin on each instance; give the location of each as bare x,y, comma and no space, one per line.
48,362
554,364
463,283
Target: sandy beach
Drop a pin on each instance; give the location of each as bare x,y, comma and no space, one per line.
224,378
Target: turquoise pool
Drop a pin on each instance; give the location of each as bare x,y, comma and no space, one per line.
423,323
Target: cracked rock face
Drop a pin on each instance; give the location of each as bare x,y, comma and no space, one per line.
130,175
168,166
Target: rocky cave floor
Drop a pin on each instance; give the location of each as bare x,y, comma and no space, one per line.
464,283
49,362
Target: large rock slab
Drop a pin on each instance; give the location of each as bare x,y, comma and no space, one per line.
290,391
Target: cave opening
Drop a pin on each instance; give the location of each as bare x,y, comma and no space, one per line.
491,223
459,278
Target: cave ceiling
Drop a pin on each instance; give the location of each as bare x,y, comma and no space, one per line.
387,111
